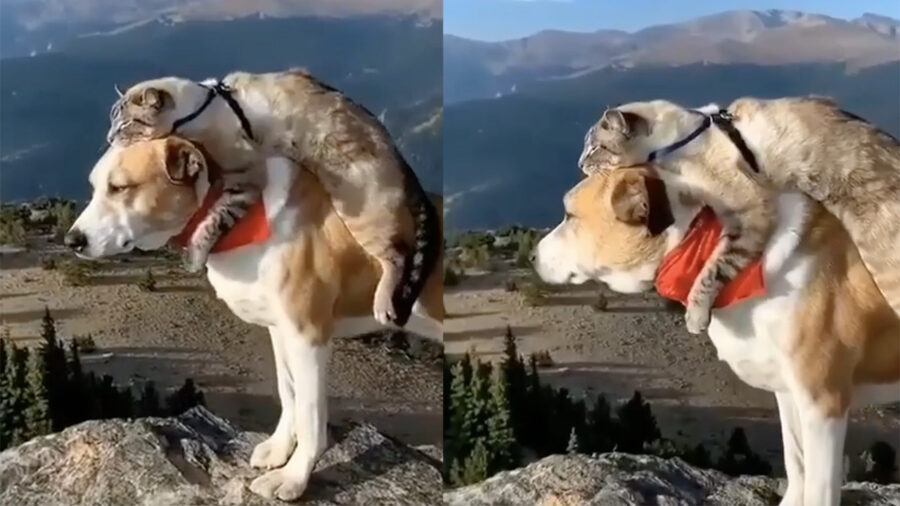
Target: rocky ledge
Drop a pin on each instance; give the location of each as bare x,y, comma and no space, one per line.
199,459
619,479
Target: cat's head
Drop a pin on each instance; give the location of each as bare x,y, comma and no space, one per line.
618,139
149,109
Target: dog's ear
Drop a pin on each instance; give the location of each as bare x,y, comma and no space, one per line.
155,98
639,199
183,161
628,123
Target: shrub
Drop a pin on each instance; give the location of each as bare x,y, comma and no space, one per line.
85,343
600,303
63,217
533,295
48,263
148,282
74,273
451,277
543,359
511,285
12,230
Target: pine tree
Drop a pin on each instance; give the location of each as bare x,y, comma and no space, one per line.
184,398
572,446
5,398
600,427
637,425
149,402
37,414
56,376
515,376
19,397
475,469
478,408
76,388
502,439
739,459
457,441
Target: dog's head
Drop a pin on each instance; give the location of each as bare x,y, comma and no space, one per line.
148,110
612,232
144,194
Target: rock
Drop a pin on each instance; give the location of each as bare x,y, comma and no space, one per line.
619,479
199,459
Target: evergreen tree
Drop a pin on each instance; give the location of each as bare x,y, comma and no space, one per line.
637,425
478,409
475,469
56,376
739,459
457,441
37,412
149,403
184,398
515,376
600,428
883,463
77,400
17,377
500,431
6,412
572,446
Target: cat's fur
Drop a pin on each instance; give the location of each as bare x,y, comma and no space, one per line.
293,114
802,143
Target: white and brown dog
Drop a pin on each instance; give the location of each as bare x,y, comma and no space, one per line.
822,337
307,276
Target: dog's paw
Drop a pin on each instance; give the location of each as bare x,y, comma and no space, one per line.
280,484
696,318
272,453
383,307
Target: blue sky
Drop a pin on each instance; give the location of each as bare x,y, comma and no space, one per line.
507,19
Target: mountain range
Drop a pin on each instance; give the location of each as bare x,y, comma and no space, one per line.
516,111
476,69
55,104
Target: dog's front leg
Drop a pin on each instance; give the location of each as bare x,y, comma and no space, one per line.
276,450
792,440
823,455
306,355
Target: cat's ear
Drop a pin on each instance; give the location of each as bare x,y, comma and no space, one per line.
155,98
640,199
183,161
628,123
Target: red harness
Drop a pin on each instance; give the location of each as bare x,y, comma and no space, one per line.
682,265
253,228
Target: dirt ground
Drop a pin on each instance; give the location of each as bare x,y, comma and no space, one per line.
635,344
181,330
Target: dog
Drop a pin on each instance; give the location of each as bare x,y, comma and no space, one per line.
305,278
822,338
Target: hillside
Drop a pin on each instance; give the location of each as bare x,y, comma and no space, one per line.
476,69
527,143
55,105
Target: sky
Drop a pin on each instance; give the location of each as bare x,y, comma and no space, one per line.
494,20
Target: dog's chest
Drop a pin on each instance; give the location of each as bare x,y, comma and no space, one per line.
754,337
246,281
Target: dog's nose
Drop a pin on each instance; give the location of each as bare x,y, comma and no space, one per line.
76,240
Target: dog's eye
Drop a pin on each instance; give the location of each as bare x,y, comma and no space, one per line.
569,215
114,188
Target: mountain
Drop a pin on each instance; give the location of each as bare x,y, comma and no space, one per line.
34,26
55,105
475,69
510,159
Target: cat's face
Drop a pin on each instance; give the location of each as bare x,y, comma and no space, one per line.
618,139
148,110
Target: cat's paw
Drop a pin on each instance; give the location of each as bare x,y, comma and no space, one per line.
696,318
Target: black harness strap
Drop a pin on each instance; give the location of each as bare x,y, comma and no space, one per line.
725,122
221,90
